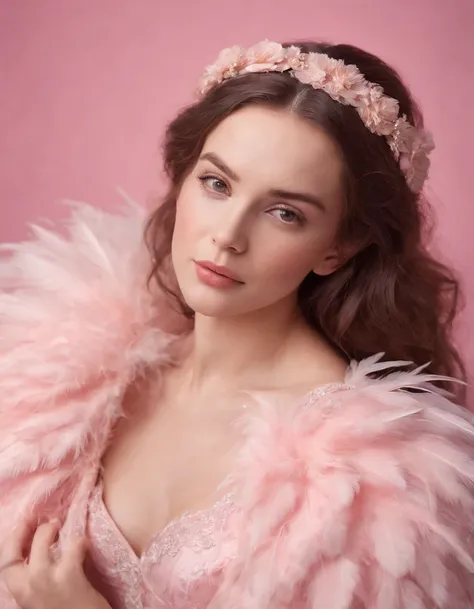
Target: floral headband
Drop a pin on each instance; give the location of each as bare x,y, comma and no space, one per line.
345,84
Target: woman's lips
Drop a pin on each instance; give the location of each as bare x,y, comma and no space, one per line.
215,276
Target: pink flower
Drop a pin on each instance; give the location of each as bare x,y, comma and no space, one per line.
415,164
265,57
424,142
313,72
375,92
230,55
326,63
387,109
345,83
402,136
379,115
229,63
295,58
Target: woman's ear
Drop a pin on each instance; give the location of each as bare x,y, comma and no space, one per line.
334,260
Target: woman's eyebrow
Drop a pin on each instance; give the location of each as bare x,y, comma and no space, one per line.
282,194
219,163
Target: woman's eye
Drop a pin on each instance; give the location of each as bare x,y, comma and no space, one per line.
214,184
288,216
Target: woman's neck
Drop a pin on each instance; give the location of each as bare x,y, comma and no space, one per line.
246,351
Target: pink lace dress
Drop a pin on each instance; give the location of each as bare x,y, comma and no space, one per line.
181,568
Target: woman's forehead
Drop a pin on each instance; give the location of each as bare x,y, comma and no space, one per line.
276,147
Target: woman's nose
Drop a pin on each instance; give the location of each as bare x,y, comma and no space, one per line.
231,235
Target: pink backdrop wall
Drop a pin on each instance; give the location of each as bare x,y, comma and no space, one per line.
87,87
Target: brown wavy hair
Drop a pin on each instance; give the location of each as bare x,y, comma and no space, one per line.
392,296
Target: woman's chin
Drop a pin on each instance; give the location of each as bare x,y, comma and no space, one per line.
210,303
208,309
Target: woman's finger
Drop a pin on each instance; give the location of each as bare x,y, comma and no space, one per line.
74,554
15,562
14,546
42,541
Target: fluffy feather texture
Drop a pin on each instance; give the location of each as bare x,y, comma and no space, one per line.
362,498
76,325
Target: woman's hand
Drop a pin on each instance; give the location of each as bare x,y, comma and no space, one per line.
40,582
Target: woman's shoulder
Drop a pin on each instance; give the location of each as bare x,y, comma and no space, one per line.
375,400
394,408
373,479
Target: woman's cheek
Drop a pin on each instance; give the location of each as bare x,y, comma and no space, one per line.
187,215
288,265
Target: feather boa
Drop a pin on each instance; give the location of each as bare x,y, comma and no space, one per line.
360,498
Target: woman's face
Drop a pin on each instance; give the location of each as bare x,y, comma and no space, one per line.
264,200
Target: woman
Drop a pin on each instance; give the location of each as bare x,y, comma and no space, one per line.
189,409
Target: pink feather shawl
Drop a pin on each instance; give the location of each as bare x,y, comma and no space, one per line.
364,496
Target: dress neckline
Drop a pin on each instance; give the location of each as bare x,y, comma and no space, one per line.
226,502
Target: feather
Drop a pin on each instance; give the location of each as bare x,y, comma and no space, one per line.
393,538
77,325
389,480
334,585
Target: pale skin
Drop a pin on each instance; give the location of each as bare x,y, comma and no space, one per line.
265,200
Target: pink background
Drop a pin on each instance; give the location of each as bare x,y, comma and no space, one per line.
87,87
